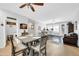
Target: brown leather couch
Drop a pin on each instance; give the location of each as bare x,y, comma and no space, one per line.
71,39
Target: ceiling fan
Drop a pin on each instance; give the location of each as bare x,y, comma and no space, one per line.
30,5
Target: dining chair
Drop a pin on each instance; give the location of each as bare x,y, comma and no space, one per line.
18,48
41,47
35,42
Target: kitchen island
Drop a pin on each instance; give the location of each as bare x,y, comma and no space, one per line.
56,37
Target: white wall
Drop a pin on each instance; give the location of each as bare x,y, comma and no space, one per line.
4,31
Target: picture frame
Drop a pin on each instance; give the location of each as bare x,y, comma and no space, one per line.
23,26
11,23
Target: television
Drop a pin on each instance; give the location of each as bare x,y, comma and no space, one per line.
23,26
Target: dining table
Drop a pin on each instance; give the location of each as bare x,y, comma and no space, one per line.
28,42
28,39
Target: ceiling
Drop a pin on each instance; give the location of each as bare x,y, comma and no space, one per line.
50,12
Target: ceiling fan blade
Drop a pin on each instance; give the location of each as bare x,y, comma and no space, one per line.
32,8
23,5
39,4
